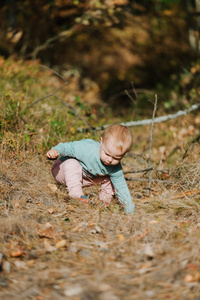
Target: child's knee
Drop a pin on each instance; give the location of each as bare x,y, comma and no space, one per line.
72,165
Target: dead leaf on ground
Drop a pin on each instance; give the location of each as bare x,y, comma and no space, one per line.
192,278
21,265
141,236
48,246
17,253
46,230
51,210
52,187
149,251
153,222
61,244
121,237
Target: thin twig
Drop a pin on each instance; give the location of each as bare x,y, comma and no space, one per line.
49,95
138,171
131,91
153,180
75,112
53,71
134,90
151,139
130,97
62,35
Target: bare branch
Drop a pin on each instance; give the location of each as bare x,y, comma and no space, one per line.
48,42
149,121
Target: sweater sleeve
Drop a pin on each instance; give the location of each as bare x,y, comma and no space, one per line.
67,149
122,191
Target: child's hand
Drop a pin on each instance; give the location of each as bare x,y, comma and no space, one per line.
129,208
52,154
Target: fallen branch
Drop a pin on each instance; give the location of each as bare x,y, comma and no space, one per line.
48,42
148,121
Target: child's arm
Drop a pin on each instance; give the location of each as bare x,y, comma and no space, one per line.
65,149
52,154
122,191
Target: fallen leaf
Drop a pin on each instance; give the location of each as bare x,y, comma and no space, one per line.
47,225
48,246
164,176
52,187
51,210
192,278
139,237
6,266
70,208
192,266
74,290
96,229
61,243
153,222
149,251
121,237
46,231
188,278
17,253
30,262
20,264
80,227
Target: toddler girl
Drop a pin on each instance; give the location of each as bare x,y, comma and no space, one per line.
87,162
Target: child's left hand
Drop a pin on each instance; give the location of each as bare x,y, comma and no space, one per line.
52,154
129,208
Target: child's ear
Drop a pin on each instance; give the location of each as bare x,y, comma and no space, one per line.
101,141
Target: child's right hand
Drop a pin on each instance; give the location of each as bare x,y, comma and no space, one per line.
52,154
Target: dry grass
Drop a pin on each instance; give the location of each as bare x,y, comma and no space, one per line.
54,247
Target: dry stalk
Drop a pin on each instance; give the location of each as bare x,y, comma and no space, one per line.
129,95
151,139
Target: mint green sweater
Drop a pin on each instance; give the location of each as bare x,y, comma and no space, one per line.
87,153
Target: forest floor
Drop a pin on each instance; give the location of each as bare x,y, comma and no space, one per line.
53,247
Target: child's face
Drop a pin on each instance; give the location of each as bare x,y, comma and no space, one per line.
108,152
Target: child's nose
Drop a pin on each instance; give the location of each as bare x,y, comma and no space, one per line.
109,159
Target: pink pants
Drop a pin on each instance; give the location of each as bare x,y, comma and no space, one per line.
70,174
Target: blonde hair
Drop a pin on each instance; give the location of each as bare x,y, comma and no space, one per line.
122,135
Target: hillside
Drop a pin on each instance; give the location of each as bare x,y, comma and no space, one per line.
53,247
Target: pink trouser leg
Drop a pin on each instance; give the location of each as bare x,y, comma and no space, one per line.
69,173
106,190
